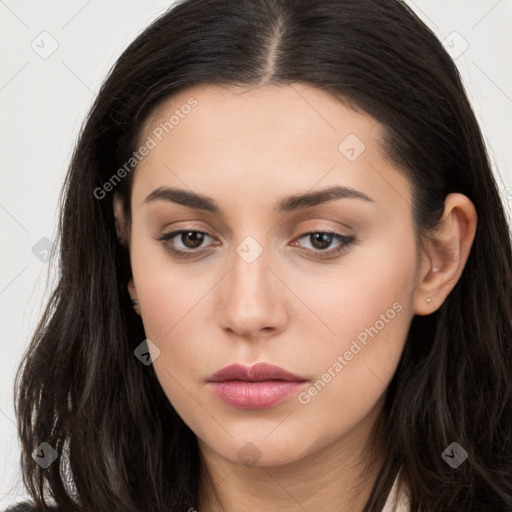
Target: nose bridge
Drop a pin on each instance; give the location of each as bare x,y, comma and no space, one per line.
250,300
249,280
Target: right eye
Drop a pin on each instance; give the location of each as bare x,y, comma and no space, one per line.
190,239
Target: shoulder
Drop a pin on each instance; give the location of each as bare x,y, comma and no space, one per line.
398,498
28,507
20,507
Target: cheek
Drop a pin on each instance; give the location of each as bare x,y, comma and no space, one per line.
367,296
164,296
172,316
367,309
354,372
172,308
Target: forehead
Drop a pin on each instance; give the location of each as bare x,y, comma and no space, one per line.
291,108
279,136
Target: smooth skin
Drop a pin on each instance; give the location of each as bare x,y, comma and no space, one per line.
247,149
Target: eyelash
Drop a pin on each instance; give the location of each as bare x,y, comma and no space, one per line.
348,241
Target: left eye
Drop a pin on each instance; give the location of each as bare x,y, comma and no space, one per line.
193,239
321,240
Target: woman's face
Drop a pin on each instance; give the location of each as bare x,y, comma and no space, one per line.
259,282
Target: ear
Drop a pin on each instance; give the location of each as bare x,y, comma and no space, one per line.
120,219
446,253
123,236
133,292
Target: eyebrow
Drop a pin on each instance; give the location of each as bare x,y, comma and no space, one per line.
294,202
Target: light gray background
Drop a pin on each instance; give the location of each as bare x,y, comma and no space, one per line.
44,99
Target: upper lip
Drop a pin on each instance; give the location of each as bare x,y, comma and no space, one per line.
258,372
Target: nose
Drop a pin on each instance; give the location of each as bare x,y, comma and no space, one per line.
252,298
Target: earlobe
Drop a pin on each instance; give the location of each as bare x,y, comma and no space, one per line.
447,252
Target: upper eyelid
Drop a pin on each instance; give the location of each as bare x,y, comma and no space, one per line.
323,227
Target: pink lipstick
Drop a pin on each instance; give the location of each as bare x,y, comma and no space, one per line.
258,386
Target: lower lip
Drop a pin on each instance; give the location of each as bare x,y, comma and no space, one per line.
255,395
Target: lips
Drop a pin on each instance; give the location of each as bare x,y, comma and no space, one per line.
258,372
254,387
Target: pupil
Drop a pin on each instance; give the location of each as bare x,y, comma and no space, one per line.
324,239
195,236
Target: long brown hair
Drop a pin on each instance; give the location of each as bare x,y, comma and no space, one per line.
120,444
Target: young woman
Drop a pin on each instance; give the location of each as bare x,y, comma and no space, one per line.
285,277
